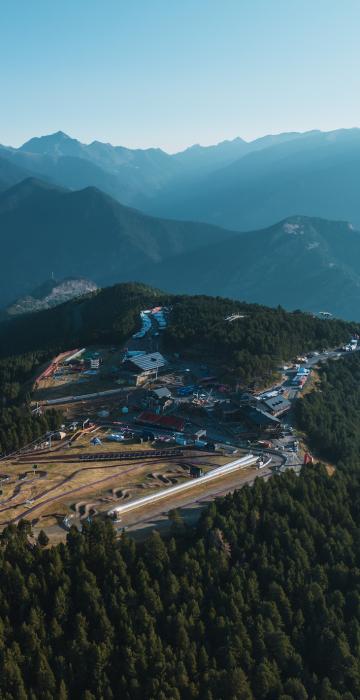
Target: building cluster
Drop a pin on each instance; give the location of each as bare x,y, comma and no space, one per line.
166,406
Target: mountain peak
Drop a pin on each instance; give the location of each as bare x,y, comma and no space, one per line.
57,143
58,136
55,136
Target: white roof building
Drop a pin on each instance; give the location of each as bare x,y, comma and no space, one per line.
149,362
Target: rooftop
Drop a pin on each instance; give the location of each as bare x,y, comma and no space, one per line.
261,417
167,422
147,362
277,403
162,392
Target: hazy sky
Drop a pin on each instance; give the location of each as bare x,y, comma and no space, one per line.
171,73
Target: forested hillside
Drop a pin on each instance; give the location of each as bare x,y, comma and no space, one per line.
18,426
108,315
246,349
249,348
261,603
330,415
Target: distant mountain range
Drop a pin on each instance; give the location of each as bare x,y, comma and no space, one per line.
131,176
301,262
235,184
68,222
315,174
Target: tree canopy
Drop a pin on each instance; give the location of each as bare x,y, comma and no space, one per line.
18,425
249,348
330,415
261,602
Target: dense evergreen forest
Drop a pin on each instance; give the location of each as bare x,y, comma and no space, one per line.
18,426
247,349
262,602
330,415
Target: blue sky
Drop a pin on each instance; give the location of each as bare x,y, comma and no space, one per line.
171,73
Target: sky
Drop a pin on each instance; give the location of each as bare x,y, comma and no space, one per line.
171,73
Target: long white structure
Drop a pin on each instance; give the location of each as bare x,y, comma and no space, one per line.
166,493
81,397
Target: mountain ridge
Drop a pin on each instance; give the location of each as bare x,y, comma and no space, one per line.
236,184
133,176
301,262
315,174
85,233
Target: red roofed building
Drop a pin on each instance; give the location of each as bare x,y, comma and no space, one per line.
166,422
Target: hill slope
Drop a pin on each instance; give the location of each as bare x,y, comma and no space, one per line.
197,326
11,174
45,229
106,315
301,262
50,293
